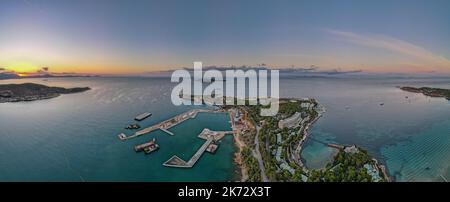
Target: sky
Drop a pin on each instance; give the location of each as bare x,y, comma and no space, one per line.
134,37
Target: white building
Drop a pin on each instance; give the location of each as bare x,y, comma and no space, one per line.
353,149
278,155
290,122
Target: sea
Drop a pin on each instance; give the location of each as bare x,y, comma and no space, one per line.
74,137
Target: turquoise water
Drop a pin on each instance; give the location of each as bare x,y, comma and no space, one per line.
74,137
315,154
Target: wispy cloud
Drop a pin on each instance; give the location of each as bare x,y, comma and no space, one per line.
425,57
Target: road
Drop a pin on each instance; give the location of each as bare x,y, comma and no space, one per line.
257,155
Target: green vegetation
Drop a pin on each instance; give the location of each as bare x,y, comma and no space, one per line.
289,108
290,137
32,92
432,92
251,164
346,167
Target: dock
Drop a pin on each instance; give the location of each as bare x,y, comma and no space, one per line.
169,123
217,135
167,131
177,162
212,148
211,137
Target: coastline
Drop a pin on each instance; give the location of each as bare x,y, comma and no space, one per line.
243,174
306,135
27,92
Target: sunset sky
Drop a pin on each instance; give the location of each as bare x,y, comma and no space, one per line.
127,37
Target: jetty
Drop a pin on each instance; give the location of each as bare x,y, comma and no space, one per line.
211,137
177,162
166,131
169,123
445,179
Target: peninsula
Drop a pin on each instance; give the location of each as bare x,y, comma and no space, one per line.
432,92
269,148
31,92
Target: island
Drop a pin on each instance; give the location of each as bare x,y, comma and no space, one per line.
31,92
432,92
269,147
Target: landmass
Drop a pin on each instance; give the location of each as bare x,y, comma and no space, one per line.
31,92
11,75
432,92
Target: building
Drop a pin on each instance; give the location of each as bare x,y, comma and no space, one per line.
285,166
353,149
306,105
279,139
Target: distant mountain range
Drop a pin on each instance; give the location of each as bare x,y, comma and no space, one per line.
310,72
9,76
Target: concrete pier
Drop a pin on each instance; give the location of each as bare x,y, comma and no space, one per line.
210,137
169,123
167,131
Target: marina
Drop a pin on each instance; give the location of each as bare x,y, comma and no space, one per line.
211,137
169,123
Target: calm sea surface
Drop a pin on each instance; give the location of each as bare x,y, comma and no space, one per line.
74,137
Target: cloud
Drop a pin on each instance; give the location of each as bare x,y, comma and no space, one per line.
421,54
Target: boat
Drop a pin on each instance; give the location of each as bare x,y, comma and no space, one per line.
133,126
143,147
143,116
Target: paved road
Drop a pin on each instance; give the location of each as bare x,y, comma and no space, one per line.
257,155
